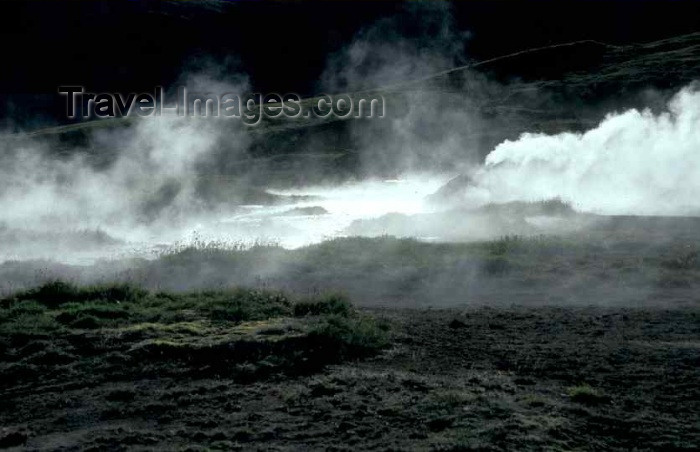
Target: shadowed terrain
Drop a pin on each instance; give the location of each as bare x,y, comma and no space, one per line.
475,379
556,343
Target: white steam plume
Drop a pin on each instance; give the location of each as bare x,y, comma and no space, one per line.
633,162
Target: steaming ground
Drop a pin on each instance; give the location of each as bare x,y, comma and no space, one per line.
327,212
299,217
153,193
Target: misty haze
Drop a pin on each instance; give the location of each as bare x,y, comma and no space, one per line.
502,253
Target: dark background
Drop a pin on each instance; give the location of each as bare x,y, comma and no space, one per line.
123,46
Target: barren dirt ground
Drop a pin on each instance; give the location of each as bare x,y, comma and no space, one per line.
484,378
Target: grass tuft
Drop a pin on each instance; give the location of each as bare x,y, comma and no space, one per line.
336,304
354,335
587,395
56,293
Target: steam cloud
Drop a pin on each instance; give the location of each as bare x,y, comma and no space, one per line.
155,163
633,162
158,183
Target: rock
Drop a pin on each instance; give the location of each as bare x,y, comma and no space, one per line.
10,437
311,210
440,424
452,189
456,323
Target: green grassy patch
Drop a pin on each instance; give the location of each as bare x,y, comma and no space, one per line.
240,332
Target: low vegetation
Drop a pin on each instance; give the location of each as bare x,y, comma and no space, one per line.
587,395
403,272
238,332
108,367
